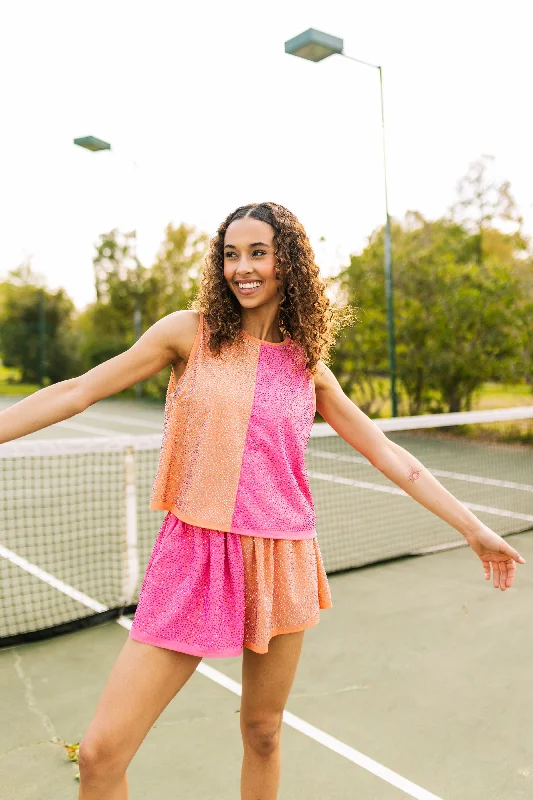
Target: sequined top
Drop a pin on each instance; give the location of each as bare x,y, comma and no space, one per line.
235,431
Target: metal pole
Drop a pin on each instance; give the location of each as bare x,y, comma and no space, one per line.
137,312
41,337
388,270
137,317
388,254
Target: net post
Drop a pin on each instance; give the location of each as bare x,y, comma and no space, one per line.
130,550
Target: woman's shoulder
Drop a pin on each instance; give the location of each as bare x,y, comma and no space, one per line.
184,327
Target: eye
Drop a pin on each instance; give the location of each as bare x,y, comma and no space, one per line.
228,253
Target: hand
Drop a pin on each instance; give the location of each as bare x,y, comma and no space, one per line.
493,549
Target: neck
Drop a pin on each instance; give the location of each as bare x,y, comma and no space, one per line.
262,325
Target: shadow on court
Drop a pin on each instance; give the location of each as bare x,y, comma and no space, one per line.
421,666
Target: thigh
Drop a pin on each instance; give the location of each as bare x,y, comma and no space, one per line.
144,679
267,678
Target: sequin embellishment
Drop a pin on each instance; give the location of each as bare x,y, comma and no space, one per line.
211,593
234,438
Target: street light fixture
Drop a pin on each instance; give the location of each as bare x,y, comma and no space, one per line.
94,144
316,45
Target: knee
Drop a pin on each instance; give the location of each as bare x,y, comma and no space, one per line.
98,759
262,734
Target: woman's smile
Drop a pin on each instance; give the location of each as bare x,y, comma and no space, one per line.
248,287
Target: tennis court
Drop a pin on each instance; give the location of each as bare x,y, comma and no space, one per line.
416,683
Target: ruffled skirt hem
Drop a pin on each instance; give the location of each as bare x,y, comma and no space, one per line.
211,593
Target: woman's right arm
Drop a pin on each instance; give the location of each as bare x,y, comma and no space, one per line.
156,349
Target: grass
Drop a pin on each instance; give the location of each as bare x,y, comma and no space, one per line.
10,386
490,395
9,382
496,395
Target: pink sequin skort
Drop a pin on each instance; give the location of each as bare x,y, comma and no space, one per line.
211,593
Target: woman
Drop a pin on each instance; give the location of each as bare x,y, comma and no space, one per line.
236,567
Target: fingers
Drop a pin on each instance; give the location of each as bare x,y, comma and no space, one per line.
503,573
495,574
503,576
511,572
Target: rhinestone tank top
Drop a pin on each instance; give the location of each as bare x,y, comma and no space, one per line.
235,430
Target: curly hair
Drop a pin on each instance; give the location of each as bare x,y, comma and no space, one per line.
306,314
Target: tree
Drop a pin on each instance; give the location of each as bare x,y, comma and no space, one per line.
455,318
173,280
106,326
482,202
20,336
172,283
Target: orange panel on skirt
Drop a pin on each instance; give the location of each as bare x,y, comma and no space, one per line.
210,593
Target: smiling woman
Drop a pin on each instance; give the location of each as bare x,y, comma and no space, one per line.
236,567
266,244
249,268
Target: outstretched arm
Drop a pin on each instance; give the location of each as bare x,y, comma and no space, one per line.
155,349
409,474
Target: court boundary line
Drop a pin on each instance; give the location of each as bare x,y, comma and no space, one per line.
299,724
441,473
378,487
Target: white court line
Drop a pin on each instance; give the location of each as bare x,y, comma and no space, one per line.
51,580
441,473
135,421
79,426
139,422
342,749
378,487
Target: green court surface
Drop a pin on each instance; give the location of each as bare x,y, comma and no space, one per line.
417,683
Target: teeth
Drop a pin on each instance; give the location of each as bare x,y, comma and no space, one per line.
249,285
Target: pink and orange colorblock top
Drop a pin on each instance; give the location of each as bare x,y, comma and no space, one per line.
235,431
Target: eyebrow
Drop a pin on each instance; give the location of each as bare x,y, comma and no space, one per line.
254,244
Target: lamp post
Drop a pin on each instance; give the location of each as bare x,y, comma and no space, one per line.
316,45
94,144
42,335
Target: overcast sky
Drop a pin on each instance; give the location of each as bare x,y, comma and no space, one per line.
202,97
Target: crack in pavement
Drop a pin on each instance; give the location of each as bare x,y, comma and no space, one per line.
159,724
25,747
356,687
30,696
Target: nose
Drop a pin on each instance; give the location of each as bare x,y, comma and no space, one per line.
243,275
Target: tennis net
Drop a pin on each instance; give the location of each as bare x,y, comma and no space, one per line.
76,532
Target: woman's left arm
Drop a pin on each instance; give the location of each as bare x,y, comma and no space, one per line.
409,474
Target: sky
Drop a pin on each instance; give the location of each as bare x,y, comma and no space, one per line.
206,112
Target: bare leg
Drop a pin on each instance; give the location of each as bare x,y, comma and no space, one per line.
267,680
142,682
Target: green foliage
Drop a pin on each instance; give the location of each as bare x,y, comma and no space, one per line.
482,204
463,295
25,340
171,284
174,278
524,320
456,320
106,327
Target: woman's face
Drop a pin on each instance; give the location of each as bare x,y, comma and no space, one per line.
249,259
